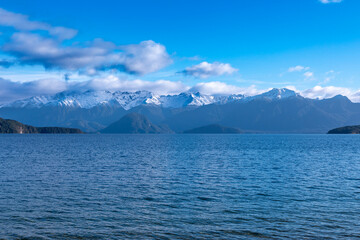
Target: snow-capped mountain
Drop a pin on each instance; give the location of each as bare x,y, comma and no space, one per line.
88,99
276,94
278,110
128,100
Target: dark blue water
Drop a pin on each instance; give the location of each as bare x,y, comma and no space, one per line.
179,187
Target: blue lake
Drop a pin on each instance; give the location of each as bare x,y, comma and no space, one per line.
180,187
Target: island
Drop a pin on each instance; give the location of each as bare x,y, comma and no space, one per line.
346,130
12,126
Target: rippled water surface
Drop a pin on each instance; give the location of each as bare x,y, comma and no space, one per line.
179,187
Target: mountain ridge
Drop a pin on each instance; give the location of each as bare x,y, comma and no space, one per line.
275,111
128,100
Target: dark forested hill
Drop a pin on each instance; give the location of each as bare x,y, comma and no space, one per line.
12,126
346,130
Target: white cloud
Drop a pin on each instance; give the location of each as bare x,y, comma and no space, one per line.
308,75
89,58
98,55
329,76
22,23
305,70
205,70
114,83
355,96
330,1
298,69
221,88
145,57
327,92
11,91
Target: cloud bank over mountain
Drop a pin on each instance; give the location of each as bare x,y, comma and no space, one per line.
10,91
206,70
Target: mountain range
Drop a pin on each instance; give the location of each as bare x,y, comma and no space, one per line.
275,111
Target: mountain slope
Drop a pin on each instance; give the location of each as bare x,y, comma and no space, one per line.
12,126
134,123
88,120
291,115
213,129
91,111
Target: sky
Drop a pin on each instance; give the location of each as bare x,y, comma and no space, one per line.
168,47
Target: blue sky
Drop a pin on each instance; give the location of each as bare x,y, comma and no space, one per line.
242,44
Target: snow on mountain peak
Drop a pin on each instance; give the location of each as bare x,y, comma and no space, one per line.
127,100
278,93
